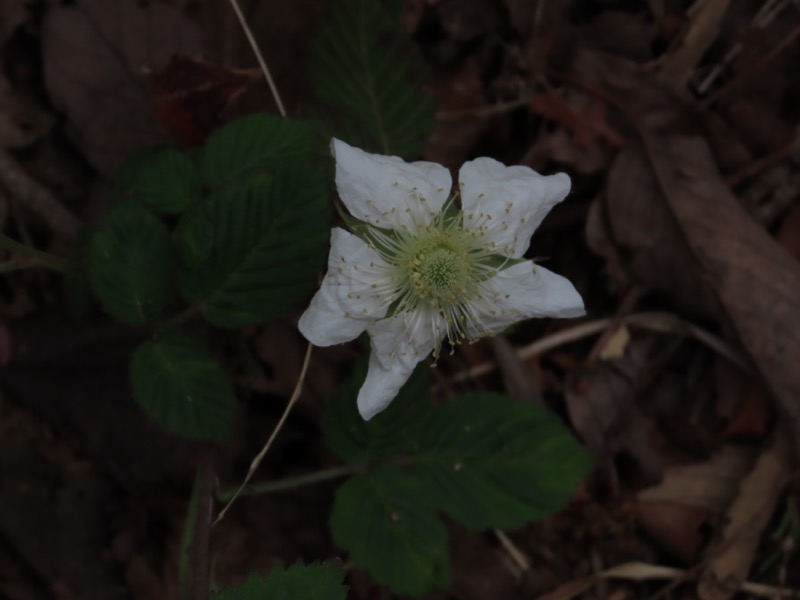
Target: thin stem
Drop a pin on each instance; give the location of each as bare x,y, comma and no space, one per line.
257,460
289,483
38,258
257,51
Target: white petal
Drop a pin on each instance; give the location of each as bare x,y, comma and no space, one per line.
387,191
407,338
398,344
381,386
520,292
507,203
355,292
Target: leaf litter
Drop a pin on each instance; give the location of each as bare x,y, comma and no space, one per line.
679,127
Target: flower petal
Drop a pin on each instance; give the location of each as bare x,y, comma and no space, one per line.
381,386
520,292
398,344
387,191
507,203
407,338
356,291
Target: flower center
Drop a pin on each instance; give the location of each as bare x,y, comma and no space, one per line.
440,274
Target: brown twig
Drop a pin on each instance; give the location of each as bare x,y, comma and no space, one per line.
754,69
200,563
37,198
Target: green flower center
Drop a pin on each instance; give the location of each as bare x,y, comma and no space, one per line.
440,274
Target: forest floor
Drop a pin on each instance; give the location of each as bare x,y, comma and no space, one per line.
678,123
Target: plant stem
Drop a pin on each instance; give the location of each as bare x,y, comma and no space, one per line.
39,257
289,483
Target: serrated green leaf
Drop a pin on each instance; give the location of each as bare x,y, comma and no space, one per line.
388,434
179,384
253,144
364,84
384,522
298,582
269,240
488,461
166,181
130,264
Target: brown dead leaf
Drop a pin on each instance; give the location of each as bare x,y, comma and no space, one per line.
675,527
703,28
603,409
22,120
757,281
644,236
732,556
13,13
710,484
96,55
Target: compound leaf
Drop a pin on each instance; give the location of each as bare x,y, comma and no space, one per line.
364,84
251,145
167,182
183,389
389,434
383,520
317,581
253,249
130,264
488,461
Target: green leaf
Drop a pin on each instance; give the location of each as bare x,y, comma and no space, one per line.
383,520
298,582
364,83
182,388
254,249
251,145
488,461
130,264
388,434
167,182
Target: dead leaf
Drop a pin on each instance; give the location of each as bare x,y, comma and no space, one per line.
757,281
674,526
13,13
704,25
22,120
615,346
190,95
602,406
732,556
710,484
96,56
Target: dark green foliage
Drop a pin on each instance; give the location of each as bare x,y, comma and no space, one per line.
130,264
167,182
179,384
252,251
483,459
254,145
387,524
298,582
362,81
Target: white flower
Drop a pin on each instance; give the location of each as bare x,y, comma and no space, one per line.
417,270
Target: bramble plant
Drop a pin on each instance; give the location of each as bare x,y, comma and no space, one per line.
236,233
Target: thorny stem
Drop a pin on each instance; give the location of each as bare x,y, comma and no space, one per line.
290,483
257,460
38,258
259,57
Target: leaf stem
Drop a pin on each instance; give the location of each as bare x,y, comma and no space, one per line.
38,258
289,483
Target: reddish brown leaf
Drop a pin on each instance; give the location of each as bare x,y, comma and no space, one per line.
757,281
96,54
190,94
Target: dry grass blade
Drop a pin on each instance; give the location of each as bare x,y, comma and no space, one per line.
645,572
652,321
